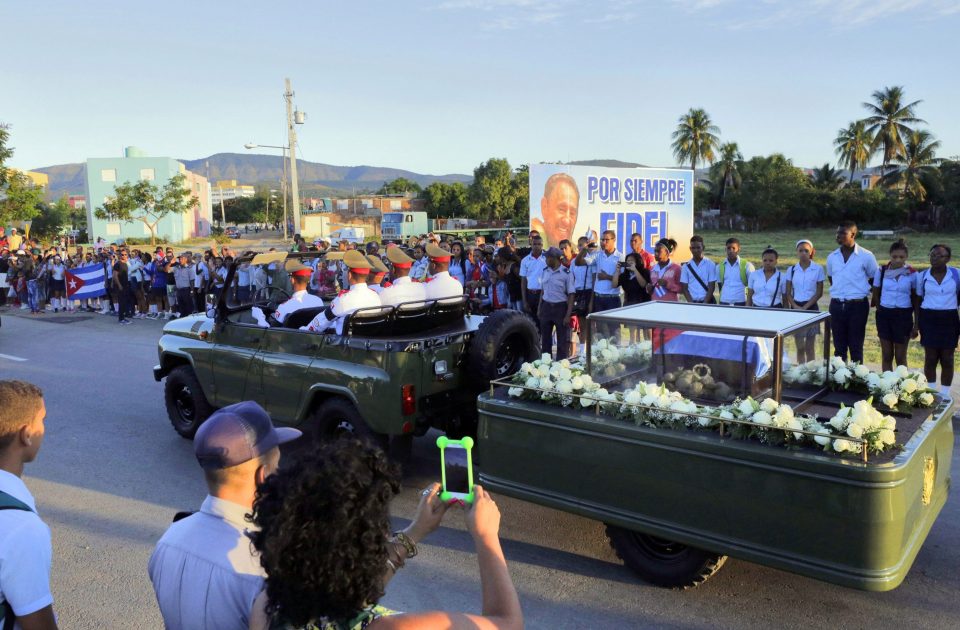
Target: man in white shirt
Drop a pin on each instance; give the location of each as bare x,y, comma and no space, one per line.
607,260
378,271
531,268
698,277
441,284
850,269
733,275
25,549
299,278
204,571
402,289
358,296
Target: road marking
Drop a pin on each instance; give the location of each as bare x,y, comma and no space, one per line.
11,357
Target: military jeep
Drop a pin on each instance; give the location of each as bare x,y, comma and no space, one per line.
393,373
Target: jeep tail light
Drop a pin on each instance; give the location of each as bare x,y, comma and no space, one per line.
408,400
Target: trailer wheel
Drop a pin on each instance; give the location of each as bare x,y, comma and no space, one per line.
187,407
662,562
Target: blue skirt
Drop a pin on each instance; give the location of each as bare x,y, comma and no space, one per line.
939,328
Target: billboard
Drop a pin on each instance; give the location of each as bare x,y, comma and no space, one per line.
567,202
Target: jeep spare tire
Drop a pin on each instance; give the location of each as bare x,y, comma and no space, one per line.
502,343
187,407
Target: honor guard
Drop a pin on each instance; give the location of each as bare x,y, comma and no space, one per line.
299,278
441,285
403,288
358,296
377,271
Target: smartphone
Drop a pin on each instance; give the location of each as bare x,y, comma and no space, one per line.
456,469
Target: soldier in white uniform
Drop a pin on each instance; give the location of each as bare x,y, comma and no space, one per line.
359,296
300,278
441,285
377,271
403,288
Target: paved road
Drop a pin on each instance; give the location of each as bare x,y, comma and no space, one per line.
112,473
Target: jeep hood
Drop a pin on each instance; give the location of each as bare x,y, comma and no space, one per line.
189,326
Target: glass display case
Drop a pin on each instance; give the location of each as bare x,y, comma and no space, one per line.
711,354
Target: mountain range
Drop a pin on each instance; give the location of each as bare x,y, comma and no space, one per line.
315,178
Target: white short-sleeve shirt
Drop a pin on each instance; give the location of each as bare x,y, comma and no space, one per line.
850,280
583,276
767,291
805,280
706,270
897,289
607,263
938,296
531,268
299,300
25,552
733,289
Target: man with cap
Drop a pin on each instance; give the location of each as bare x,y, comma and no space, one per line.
377,271
300,278
358,296
184,278
204,572
403,288
441,284
555,307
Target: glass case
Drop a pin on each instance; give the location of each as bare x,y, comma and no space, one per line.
711,354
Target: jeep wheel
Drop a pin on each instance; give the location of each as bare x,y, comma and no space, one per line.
503,342
337,417
187,407
662,562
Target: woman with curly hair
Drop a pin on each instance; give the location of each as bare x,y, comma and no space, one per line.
325,544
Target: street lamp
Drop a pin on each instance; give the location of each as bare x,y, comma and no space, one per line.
252,145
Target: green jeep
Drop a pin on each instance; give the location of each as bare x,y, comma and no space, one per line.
395,372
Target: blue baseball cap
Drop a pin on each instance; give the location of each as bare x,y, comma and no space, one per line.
236,434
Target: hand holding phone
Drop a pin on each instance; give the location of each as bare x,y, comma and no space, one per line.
456,479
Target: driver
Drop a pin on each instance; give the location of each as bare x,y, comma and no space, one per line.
359,296
300,278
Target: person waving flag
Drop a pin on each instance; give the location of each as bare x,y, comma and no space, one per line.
86,282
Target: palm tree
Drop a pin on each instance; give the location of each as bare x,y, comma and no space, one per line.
854,146
826,178
918,162
695,138
725,172
890,122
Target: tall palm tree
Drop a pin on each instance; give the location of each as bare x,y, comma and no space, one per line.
918,161
889,122
695,138
826,178
854,146
725,172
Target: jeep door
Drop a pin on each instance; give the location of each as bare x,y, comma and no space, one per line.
281,365
235,346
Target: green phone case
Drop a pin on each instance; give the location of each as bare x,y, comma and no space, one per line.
467,444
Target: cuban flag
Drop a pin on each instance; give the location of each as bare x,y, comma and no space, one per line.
86,282
757,351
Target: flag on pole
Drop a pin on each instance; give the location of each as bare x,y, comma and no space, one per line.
86,282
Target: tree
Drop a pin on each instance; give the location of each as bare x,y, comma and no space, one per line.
854,145
826,178
19,198
445,200
147,203
52,218
918,161
520,190
399,186
695,139
889,122
773,190
725,172
491,193
5,152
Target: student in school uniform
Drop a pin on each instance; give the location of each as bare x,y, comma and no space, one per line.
766,286
732,275
893,291
803,293
850,269
664,274
938,322
698,276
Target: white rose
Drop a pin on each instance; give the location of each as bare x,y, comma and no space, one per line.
855,430
785,412
841,446
795,425
841,376
526,368
888,423
587,402
769,405
909,385
607,354
726,415
564,387
516,392
761,417
649,400
745,407
839,421
543,371
587,380
565,363
836,363
545,358
533,382
861,371
546,383
890,400
887,437
600,345
873,379
926,399
822,439
565,374
632,397
922,380
577,382
614,354
902,371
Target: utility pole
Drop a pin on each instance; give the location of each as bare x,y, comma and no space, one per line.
292,142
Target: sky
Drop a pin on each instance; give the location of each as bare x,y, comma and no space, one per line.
440,86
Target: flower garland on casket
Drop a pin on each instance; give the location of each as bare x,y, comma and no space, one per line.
565,384
609,359
901,389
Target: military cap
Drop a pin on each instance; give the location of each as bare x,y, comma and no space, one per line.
296,268
356,261
554,252
376,264
399,259
437,253
333,256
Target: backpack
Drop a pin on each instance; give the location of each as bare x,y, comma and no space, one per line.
723,267
7,502
954,272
